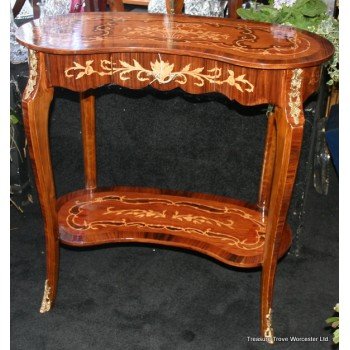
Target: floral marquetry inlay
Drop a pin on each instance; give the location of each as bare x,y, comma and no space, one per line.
177,31
218,223
252,62
162,72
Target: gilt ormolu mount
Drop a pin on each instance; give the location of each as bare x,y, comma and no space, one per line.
252,63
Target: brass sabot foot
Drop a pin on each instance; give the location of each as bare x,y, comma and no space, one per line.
269,334
46,303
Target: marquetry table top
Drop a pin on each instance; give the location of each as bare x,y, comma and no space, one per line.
250,62
244,43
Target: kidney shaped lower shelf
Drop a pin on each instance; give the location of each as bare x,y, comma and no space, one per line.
228,230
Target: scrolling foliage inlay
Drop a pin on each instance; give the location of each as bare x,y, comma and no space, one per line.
162,72
219,223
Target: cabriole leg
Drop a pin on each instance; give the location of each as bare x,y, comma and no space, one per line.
36,102
288,144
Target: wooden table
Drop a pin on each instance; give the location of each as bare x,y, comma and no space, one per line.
251,62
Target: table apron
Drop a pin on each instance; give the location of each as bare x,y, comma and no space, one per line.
195,75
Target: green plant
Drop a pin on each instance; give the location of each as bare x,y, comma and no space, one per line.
334,322
13,145
309,15
13,119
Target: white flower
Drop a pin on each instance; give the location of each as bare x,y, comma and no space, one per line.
278,4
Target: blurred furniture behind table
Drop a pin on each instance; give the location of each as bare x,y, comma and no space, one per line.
194,7
40,8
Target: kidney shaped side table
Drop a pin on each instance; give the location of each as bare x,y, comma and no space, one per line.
250,62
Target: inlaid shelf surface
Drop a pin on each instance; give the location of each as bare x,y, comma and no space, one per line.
250,62
228,230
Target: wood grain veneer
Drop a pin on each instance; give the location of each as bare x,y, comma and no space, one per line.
242,43
228,230
250,62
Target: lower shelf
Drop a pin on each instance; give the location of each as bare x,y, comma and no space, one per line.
228,230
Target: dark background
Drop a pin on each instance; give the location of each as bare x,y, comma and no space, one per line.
149,297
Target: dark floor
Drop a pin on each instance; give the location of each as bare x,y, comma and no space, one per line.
150,298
